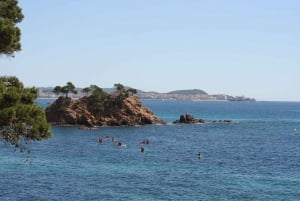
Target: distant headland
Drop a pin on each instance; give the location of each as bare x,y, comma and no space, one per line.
183,95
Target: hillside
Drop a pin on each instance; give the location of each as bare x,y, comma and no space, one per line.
189,92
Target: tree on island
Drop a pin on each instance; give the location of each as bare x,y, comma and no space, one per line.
121,94
95,91
121,89
21,119
131,91
96,99
87,90
69,87
91,89
57,90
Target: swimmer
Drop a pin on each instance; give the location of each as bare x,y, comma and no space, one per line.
145,142
199,154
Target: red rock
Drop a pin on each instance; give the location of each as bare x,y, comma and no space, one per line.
128,112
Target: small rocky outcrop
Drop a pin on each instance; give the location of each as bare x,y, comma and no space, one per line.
111,111
188,119
223,121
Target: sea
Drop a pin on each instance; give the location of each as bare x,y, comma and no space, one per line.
255,157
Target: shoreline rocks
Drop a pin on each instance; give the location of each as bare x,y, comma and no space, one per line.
188,119
225,121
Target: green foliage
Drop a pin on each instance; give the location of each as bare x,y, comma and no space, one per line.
97,91
131,91
10,34
29,95
96,99
123,93
120,88
87,90
61,109
69,87
20,118
57,90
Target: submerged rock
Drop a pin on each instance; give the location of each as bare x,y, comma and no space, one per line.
222,121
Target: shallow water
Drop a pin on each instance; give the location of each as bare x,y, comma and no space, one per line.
255,158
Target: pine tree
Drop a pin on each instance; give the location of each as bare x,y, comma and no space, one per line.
10,34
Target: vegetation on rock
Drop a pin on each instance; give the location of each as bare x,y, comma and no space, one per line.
120,108
69,87
188,119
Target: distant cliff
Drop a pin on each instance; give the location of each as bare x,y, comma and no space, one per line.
111,110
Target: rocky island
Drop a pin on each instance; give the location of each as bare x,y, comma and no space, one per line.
120,108
188,119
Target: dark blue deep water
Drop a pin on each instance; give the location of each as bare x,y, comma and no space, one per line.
255,158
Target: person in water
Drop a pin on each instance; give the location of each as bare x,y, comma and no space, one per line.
100,140
199,154
145,142
142,149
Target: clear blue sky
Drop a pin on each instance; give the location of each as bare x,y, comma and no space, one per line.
235,47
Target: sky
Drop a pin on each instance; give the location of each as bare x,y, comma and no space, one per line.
234,47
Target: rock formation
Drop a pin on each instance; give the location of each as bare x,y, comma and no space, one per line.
222,121
188,119
112,110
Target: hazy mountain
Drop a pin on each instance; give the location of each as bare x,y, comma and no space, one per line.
188,91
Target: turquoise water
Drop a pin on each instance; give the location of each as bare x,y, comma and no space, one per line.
255,158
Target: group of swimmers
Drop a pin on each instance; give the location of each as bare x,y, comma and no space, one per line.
101,139
120,143
141,143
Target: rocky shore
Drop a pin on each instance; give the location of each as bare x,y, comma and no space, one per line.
190,119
